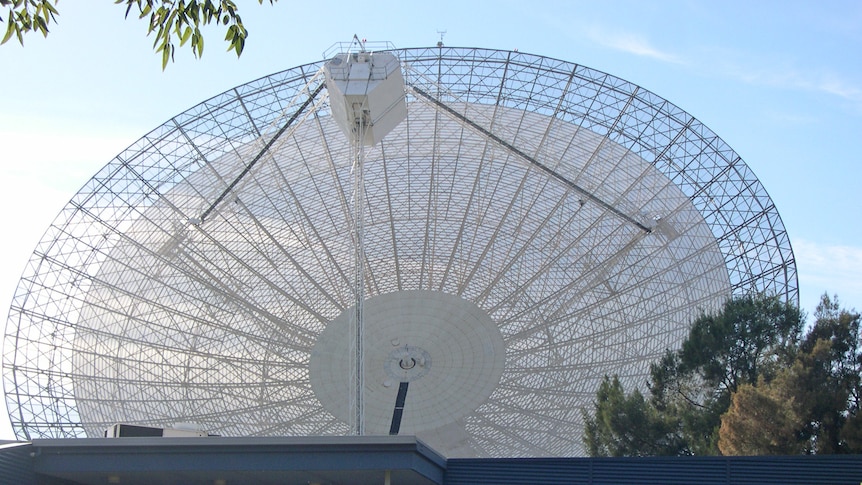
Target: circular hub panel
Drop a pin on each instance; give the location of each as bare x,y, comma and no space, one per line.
447,349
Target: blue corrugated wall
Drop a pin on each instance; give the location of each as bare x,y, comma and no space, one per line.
761,470
16,465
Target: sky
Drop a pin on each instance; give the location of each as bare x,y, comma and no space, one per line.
779,81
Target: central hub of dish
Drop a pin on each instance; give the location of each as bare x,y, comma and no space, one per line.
446,348
407,363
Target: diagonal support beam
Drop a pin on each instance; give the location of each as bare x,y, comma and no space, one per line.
263,151
511,148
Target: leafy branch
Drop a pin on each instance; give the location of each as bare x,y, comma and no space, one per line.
180,21
27,15
174,22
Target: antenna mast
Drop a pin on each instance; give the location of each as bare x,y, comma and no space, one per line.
366,92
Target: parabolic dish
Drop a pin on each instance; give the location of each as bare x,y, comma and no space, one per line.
532,226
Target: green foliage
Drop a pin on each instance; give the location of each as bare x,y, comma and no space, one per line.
744,382
627,425
851,433
762,420
172,21
827,380
27,15
820,390
751,337
180,21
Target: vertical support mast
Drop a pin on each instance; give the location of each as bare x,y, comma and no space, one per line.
366,94
357,427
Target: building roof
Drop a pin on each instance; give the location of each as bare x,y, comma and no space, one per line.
367,460
215,460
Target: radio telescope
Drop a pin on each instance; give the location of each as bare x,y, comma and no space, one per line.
531,226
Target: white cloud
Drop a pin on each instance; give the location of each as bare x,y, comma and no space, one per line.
832,269
839,87
773,73
632,44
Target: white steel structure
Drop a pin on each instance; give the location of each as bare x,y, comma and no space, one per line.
366,100
530,227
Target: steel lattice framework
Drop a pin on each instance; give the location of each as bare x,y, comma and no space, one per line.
531,227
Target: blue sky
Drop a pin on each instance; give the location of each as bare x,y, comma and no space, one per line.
779,81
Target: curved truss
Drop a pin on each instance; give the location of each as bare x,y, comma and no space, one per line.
190,279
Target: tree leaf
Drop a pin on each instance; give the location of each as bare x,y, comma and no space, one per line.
165,55
186,35
10,29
